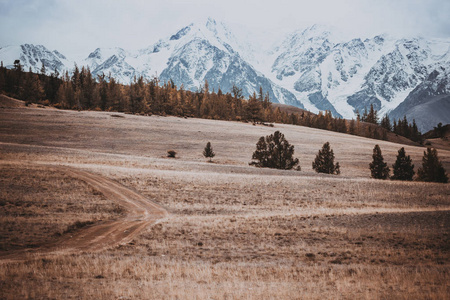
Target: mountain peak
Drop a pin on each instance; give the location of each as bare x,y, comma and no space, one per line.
211,23
324,32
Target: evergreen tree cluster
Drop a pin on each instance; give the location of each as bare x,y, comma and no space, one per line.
401,127
370,116
403,168
410,131
274,151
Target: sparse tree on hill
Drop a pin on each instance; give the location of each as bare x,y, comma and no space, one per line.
274,151
208,151
403,168
324,162
432,169
378,168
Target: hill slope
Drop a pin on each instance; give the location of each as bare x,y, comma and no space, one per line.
233,142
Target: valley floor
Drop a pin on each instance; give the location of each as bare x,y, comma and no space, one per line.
232,231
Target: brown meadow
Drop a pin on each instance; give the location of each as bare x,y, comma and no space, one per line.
233,231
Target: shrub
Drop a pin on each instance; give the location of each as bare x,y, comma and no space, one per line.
171,153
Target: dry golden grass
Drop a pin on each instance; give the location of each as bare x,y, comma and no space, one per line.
235,231
110,276
39,204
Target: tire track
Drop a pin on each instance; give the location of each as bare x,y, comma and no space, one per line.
141,213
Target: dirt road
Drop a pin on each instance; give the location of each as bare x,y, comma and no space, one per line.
140,213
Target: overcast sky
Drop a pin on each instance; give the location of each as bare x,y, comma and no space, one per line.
80,26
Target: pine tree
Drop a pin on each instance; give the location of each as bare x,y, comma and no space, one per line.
378,168
403,168
274,151
237,92
352,127
324,162
386,123
432,169
439,130
208,151
372,116
254,109
43,71
416,136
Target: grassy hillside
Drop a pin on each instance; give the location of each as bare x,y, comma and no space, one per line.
234,231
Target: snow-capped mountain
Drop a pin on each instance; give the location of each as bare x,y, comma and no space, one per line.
315,68
430,98
326,72
194,54
34,57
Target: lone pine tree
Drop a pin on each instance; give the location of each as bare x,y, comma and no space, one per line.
378,168
274,151
208,151
432,169
324,161
403,168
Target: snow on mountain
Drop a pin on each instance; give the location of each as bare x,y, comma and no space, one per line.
208,52
112,62
198,52
33,57
330,73
316,68
430,98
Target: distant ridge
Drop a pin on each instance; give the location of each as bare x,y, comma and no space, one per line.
314,69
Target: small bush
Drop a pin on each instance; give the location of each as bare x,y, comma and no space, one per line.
171,153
